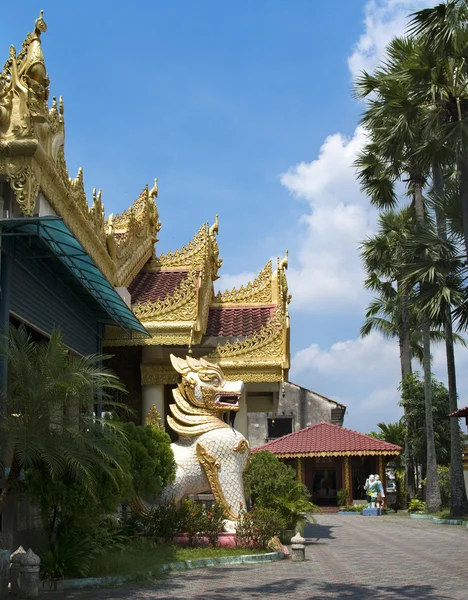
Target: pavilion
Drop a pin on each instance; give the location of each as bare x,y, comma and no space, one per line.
328,457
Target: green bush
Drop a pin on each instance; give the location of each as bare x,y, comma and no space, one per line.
342,497
416,506
444,484
258,527
152,465
358,508
166,520
272,484
213,518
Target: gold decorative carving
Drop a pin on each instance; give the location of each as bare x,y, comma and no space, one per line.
242,446
158,374
28,128
191,254
153,418
179,306
257,291
338,453
25,185
211,467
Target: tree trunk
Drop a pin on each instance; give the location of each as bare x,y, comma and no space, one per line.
463,170
10,481
406,369
432,481
458,497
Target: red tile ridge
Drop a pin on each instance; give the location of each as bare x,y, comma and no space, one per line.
298,434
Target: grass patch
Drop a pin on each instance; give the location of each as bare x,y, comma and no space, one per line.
141,555
445,514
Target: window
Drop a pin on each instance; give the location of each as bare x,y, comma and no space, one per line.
279,426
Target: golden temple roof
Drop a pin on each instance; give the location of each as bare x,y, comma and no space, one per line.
246,330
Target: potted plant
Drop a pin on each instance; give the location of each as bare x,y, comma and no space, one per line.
296,509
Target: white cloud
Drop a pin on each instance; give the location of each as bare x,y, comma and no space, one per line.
383,20
326,273
364,374
227,282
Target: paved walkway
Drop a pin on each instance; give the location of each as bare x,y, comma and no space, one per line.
350,557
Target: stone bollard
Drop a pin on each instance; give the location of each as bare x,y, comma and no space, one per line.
29,575
298,547
15,565
4,575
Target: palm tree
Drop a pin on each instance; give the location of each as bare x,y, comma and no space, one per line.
395,123
440,269
48,422
439,77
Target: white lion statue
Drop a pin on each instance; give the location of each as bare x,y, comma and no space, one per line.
210,453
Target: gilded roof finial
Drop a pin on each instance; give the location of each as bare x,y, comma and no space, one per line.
153,193
40,25
284,263
214,228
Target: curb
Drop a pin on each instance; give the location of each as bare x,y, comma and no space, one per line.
422,516
183,565
349,512
447,521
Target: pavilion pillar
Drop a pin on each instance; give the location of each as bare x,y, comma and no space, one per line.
300,469
347,482
381,470
241,421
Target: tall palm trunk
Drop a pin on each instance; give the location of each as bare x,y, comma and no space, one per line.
406,369
463,170
433,500
458,497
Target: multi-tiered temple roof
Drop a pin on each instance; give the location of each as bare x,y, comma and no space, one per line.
246,330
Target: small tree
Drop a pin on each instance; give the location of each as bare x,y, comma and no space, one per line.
152,465
48,422
272,484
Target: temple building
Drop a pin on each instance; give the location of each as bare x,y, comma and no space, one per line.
101,280
328,458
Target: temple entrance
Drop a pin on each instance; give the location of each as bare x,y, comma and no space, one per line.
360,472
324,487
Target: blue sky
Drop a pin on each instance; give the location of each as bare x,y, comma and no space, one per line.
243,109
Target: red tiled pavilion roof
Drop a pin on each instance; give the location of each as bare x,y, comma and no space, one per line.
233,321
461,412
149,286
325,439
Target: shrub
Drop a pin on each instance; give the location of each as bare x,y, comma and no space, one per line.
166,520
152,465
272,484
258,527
444,484
358,508
213,518
192,521
416,505
342,497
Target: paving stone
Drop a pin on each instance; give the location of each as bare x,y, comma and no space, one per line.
347,558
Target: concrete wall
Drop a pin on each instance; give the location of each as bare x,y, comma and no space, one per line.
304,406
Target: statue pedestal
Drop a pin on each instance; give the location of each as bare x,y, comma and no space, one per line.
373,512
